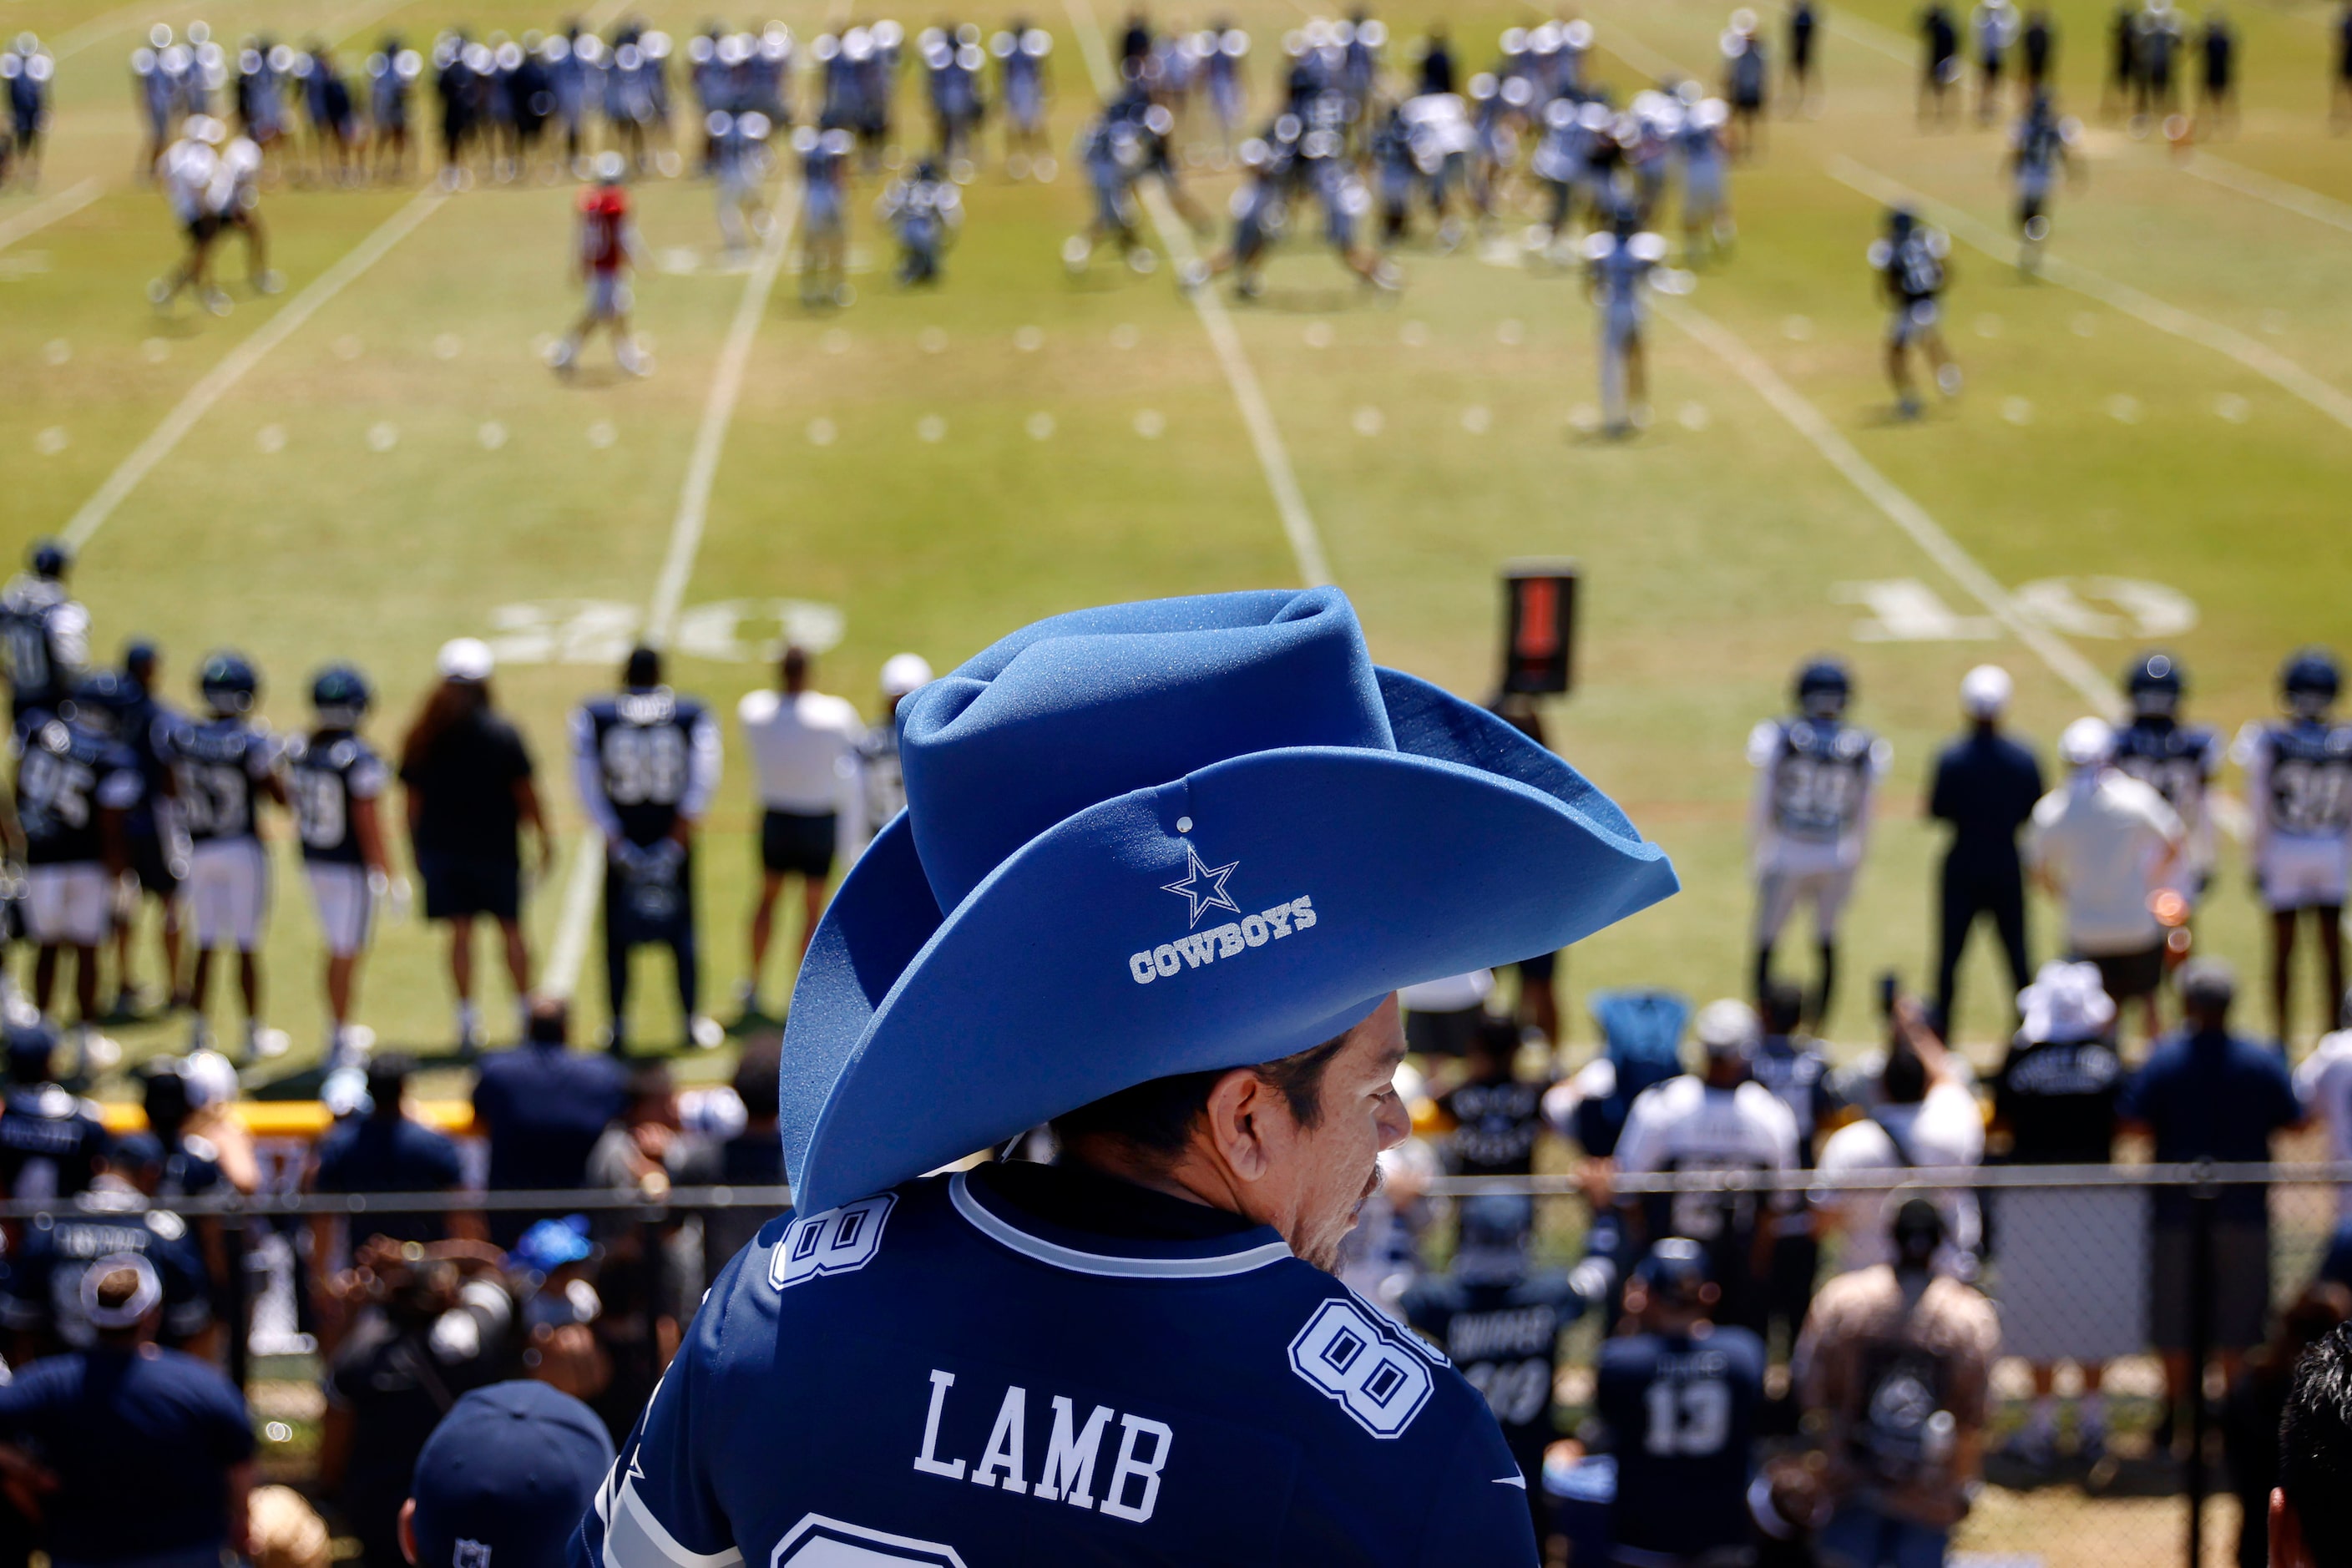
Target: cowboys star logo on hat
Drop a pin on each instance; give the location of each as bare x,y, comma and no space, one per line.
470,1554
1203,886
1001,952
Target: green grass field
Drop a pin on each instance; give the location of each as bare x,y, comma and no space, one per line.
400,468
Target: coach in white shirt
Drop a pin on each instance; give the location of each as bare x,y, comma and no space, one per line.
804,747
2104,842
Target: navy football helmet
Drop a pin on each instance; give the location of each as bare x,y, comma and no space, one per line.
2156,685
49,559
1674,1270
339,694
2309,683
1824,686
228,684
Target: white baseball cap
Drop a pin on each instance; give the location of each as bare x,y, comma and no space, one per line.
903,672
1728,1028
465,659
2086,742
1985,691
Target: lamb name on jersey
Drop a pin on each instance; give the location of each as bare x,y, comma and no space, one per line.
217,761
644,743
1069,1408
324,775
66,775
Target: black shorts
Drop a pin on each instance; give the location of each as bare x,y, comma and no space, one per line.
791,842
150,862
458,886
2127,975
202,229
1538,969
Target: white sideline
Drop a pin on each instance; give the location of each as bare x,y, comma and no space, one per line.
40,216
2269,188
2261,359
1298,523
1882,492
582,877
199,399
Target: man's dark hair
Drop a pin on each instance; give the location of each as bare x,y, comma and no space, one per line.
387,1081
1156,1117
644,668
1903,1079
166,1096
549,1023
795,668
1783,1007
2316,1449
757,1084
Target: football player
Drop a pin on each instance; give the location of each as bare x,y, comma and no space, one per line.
1744,76
225,765
608,249
75,781
953,61
1499,1319
187,170
392,79
825,215
51,1142
1113,152
1226,46
1994,25
739,167
1707,205
154,841
1618,263
26,70
1942,68
44,631
646,763
2181,761
1913,264
235,198
1810,823
2299,787
1021,51
41,1299
2040,149
2217,101
925,211
334,779
1679,1399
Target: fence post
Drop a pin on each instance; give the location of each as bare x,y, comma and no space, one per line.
2201,1204
239,1259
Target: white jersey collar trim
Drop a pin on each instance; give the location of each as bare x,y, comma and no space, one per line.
1007,1235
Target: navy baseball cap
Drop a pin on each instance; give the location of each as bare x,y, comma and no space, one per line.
506,1477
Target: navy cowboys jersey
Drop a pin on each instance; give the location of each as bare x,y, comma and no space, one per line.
40,1286
1505,1338
2299,776
933,1375
219,763
46,636
1820,775
1681,1412
326,772
2177,760
1914,269
66,777
644,746
1496,1125
51,1143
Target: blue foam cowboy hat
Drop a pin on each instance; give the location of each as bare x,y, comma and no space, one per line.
1166,837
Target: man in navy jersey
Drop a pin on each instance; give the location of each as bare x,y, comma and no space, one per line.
225,765
2299,793
44,631
1161,869
75,781
334,779
1679,1399
2180,761
646,762
50,1141
154,841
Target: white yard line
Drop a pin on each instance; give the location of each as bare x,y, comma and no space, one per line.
233,366
2269,188
39,216
1298,523
1882,492
99,27
2260,358
583,880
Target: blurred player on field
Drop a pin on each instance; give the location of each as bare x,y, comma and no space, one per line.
186,171
2339,102
2299,791
2217,78
26,70
925,211
1618,260
43,630
2036,47
75,780
881,781
739,166
226,766
335,779
1993,25
154,843
1022,87
1941,68
392,71
235,198
1816,776
1913,264
1679,1398
2040,149
2181,761
1707,205
805,751
1804,23
825,215
1745,78
607,250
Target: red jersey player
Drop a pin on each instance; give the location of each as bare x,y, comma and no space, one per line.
608,249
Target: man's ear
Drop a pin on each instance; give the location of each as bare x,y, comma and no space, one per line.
2286,1534
408,1530
1237,1114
